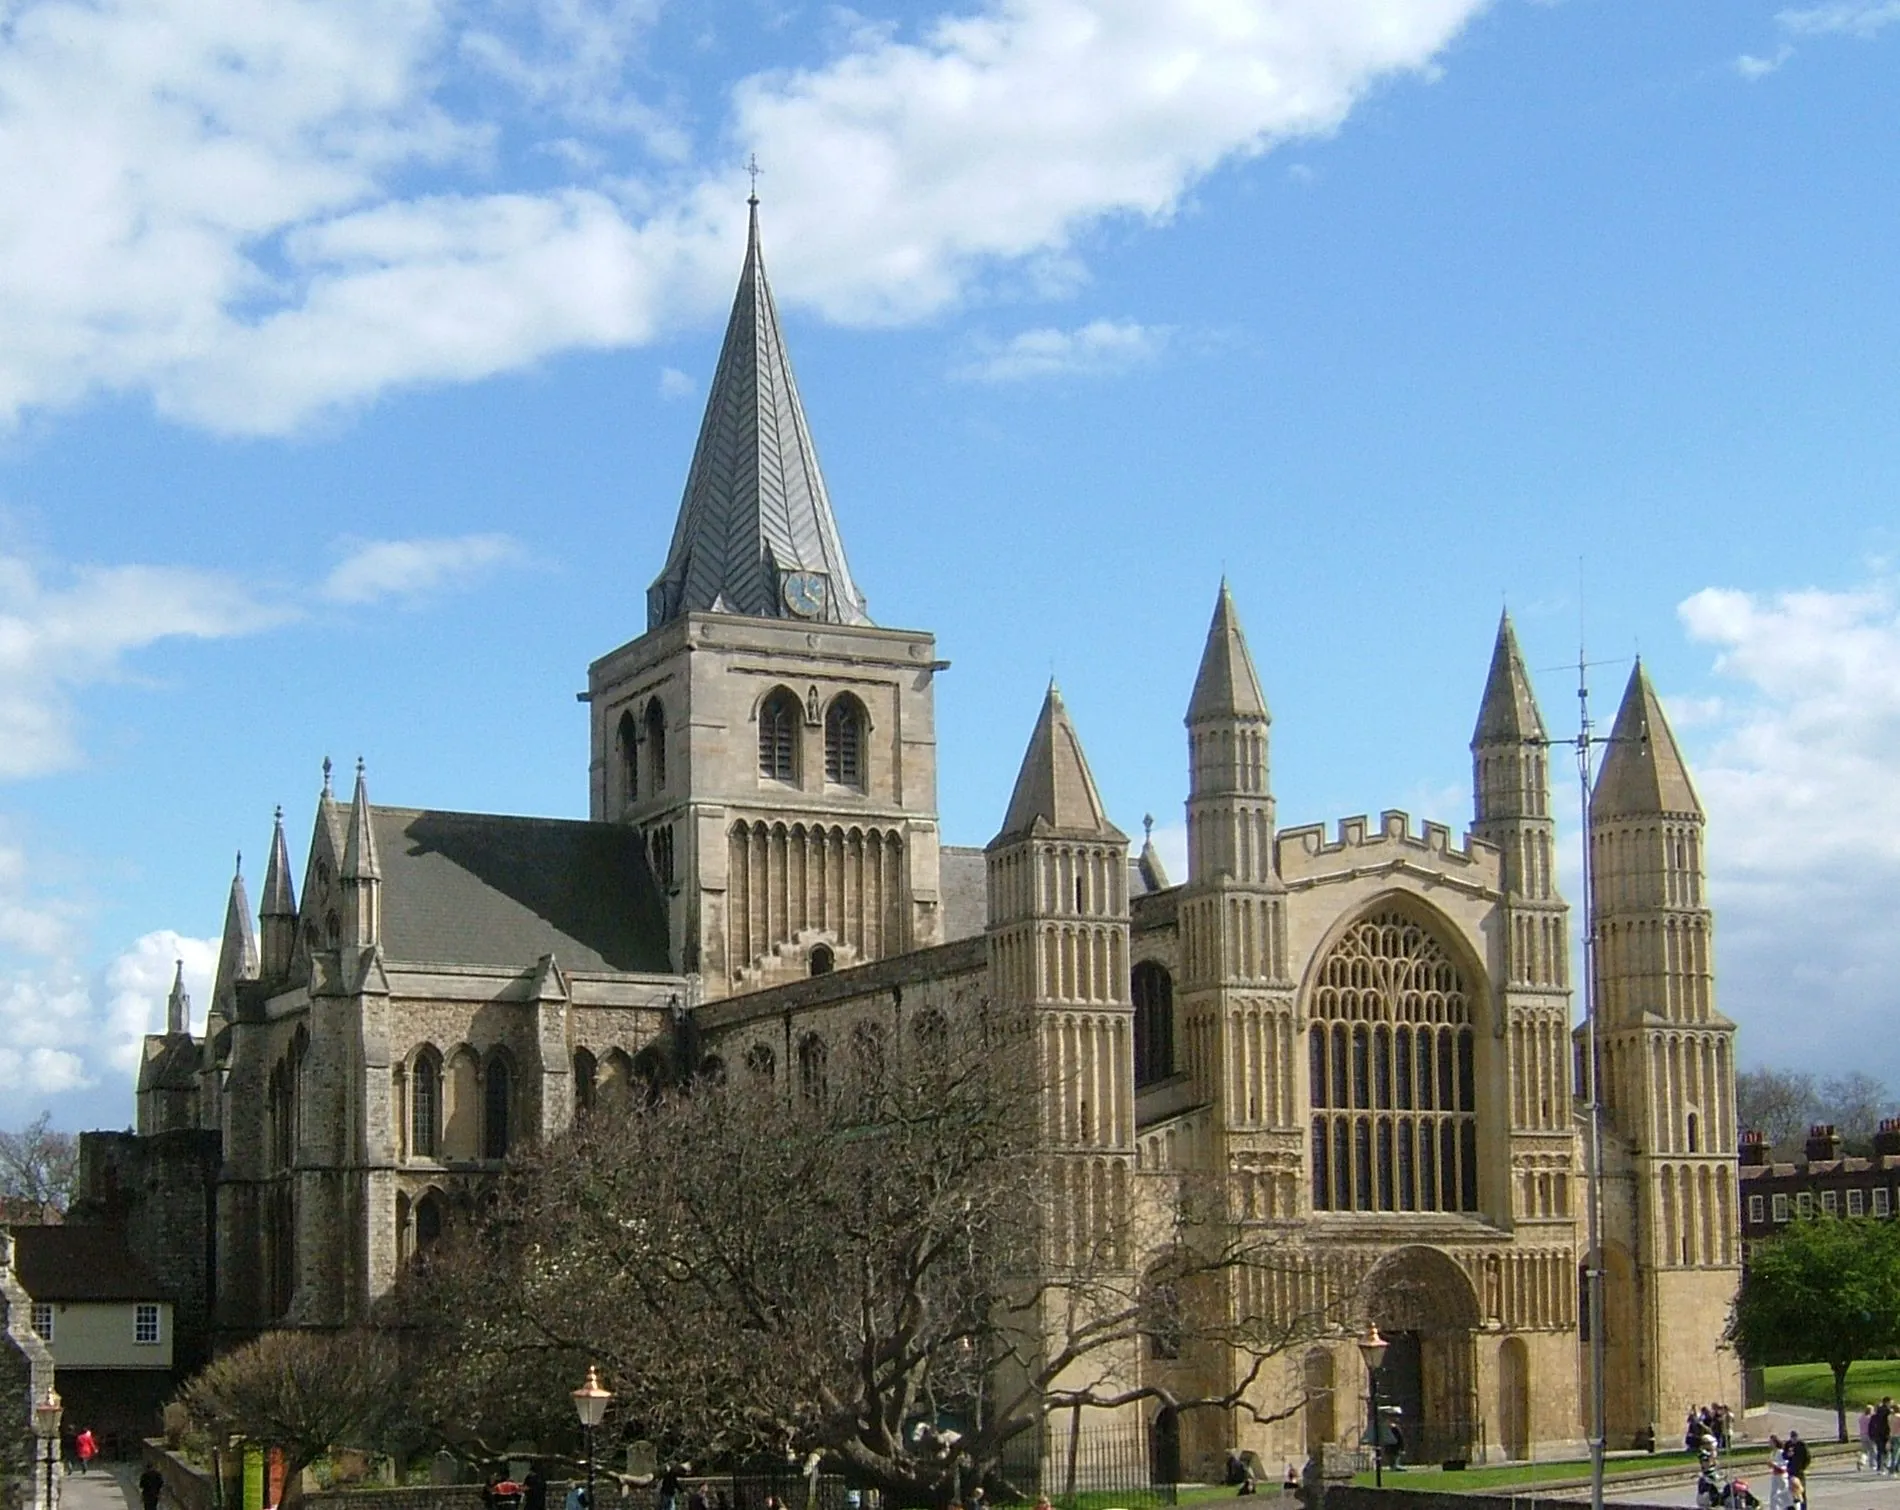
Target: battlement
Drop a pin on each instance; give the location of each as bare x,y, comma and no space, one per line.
1357,844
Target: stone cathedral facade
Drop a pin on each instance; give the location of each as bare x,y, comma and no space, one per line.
1365,1027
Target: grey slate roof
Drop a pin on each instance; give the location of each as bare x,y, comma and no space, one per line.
490,889
755,503
964,884
1643,775
1508,714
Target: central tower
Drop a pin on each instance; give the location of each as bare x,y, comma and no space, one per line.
775,747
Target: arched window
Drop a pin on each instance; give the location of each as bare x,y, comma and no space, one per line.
627,743
1394,1074
428,1221
823,961
656,747
425,1106
761,1063
585,1071
1153,991
811,1070
496,1108
778,737
844,741
867,1057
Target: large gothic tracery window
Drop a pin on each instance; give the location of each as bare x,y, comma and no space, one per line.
1394,1089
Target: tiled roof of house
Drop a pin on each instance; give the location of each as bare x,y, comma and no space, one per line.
80,1264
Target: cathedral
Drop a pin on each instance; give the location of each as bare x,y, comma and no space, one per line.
1364,1028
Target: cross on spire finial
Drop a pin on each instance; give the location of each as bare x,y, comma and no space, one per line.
753,170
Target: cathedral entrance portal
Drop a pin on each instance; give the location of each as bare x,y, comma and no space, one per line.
1425,1306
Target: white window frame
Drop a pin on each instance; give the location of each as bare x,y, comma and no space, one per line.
1755,1204
1882,1207
1804,1203
1779,1202
1831,1202
146,1330
43,1319
1856,1203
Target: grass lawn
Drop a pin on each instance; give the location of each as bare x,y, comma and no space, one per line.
1813,1384
1436,1479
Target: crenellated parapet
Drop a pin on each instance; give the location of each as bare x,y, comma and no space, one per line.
1307,856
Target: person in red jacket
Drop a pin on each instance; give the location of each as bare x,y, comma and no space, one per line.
87,1449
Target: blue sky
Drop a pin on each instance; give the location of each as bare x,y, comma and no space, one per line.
355,350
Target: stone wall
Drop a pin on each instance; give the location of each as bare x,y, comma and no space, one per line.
160,1191
186,1487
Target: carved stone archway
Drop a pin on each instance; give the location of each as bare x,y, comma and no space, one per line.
1425,1305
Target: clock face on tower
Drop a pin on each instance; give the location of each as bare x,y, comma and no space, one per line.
805,593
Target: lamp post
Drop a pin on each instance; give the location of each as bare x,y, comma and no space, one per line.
1372,1348
46,1416
590,1404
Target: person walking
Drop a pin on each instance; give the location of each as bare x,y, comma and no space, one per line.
1798,1459
1865,1427
151,1486
1880,1432
87,1448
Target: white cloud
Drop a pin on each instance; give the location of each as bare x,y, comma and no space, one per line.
414,569
676,384
57,638
1099,347
1855,18
256,214
62,1029
1800,772
1751,67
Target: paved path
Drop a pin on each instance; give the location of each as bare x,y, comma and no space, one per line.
109,1486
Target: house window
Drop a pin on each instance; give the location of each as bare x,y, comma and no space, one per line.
43,1320
844,742
1831,1202
1856,1203
1755,1204
1804,1203
778,737
1880,1201
1780,1204
145,1325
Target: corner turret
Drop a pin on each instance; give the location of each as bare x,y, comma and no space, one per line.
1230,791
178,1005
362,872
278,911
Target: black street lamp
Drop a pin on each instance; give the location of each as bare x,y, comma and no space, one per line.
590,1404
1372,1348
46,1416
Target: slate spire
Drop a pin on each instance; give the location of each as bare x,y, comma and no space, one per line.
1055,789
1226,687
1643,774
1508,714
755,512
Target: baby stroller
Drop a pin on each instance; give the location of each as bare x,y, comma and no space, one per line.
1715,1490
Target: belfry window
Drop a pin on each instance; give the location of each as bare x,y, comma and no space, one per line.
844,742
778,737
627,741
1393,1074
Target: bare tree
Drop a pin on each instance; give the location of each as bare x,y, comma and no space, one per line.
840,1266
1778,1104
39,1165
1854,1102
302,1392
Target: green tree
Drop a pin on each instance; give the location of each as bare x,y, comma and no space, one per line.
1826,1288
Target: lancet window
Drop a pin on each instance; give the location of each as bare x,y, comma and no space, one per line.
1393,1074
1152,989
